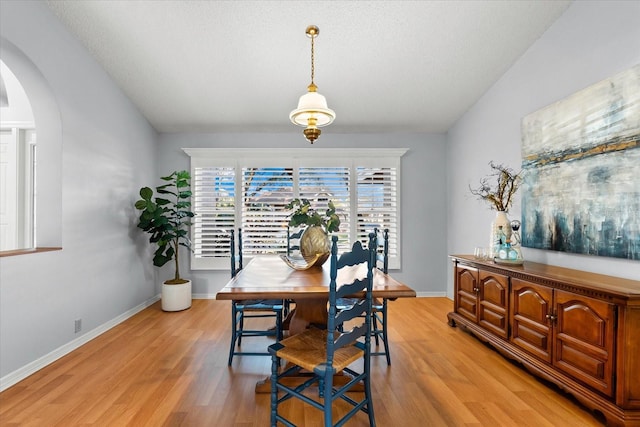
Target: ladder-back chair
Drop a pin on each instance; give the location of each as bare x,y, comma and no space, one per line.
323,353
379,317
293,241
293,246
242,310
379,327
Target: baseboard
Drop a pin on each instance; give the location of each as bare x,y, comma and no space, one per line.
204,296
431,294
29,369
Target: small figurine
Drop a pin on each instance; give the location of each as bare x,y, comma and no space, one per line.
515,237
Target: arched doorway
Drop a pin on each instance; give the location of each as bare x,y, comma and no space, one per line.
47,198
17,164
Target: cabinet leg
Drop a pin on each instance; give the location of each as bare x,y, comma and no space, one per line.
451,322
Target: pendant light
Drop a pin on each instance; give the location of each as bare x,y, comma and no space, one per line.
312,112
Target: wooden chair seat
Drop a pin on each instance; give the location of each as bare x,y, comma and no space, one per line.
309,350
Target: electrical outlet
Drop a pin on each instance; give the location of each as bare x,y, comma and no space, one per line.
78,325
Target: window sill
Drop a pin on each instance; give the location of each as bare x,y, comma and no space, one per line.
26,251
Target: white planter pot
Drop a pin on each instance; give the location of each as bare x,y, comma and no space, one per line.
176,297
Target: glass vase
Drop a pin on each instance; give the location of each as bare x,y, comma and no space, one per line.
501,220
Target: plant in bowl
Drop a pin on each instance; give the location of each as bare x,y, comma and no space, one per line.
314,243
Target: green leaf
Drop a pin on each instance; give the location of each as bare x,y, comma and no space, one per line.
146,193
163,191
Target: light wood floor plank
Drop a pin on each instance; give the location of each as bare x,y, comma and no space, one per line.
170,369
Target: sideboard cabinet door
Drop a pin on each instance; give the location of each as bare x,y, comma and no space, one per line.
531,312
493,303
466,302
584,339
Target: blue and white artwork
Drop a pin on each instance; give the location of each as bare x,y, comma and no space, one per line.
581,163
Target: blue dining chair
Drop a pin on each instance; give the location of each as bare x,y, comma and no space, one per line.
326,352
379,318
293,246
242,310
293,240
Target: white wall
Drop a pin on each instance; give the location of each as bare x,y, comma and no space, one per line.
588,43
108,152
424,256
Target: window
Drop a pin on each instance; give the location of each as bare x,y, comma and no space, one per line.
250,188
17,165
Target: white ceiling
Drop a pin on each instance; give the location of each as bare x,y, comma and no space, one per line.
384,66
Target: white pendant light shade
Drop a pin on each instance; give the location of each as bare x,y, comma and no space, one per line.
312,105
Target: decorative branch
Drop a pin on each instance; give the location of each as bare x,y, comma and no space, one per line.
499,187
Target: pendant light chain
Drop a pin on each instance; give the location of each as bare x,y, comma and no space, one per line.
313,67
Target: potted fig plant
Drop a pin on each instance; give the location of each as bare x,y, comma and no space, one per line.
167,217
314,242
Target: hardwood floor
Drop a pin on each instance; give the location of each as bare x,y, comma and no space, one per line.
170,369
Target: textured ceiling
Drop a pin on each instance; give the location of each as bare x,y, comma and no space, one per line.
384,66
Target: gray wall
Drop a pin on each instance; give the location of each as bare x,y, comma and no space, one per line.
424,265
108,153
588,43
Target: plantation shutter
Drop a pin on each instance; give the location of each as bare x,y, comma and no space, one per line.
378,205
265,193
250,188
320,185
213,202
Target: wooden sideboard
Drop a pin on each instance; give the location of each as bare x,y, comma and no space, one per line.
578,330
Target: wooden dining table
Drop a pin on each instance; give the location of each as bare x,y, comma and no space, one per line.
270,277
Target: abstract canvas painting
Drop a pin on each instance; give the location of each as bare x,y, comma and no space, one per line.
581,163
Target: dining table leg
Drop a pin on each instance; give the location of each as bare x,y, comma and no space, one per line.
308,312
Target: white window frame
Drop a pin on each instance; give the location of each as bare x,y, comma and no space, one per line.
295,158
